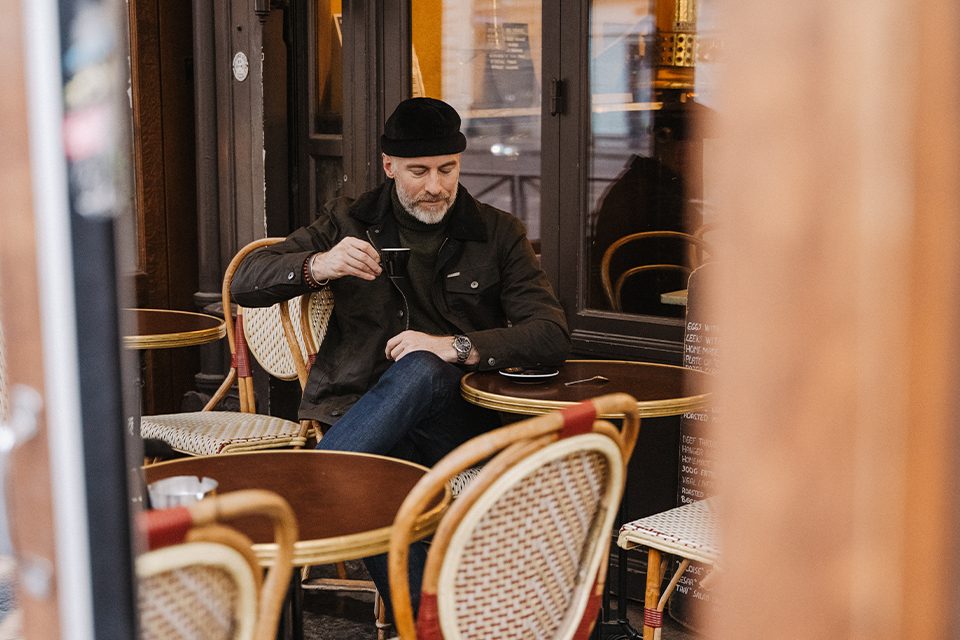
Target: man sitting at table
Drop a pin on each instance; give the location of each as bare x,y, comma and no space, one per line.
471,296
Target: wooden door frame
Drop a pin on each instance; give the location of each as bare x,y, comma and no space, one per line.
165,264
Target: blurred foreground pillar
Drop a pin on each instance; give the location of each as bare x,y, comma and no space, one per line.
840,304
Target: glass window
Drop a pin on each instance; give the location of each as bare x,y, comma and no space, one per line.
484,58
644,154
328,88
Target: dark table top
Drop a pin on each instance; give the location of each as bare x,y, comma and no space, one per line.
660,389
344,502
165,328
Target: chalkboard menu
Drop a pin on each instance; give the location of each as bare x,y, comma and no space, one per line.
701,348
508,76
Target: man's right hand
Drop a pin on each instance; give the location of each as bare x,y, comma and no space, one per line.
349,257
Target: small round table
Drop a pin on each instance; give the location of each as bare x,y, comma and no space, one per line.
660,389
147,329
166,329
345,502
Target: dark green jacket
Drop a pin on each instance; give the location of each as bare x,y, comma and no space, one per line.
487,285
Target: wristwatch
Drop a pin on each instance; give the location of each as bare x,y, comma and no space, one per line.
463,347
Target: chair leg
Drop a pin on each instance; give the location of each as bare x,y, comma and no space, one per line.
662,602
380,611
652,618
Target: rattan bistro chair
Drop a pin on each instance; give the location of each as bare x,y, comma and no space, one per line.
522,552
696,252
200,580
276,338
686,532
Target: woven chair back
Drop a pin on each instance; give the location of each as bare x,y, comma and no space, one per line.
521,560
201,580
265,338
520,553
222,599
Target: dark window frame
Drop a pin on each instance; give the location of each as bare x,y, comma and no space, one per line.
566,135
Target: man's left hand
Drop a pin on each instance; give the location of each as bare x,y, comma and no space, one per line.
408,341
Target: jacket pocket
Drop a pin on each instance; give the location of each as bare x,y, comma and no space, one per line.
472,287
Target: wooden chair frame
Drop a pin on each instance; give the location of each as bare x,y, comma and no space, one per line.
686,532
286,358
196,534
698,250
303,345
504,448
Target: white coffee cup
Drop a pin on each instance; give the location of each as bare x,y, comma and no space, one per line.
178,491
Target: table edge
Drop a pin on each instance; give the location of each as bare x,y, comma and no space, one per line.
177,339
534,407
359,545
354,546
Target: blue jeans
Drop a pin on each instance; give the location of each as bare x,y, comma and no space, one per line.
414,412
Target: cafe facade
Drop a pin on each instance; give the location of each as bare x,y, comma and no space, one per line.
574,113
284,111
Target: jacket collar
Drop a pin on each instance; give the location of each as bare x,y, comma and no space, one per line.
464,222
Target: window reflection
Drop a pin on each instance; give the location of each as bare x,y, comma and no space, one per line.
484,58
645,155
328,91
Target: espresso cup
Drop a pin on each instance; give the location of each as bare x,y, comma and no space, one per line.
177,491
394,260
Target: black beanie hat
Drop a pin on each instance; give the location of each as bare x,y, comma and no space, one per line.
422,127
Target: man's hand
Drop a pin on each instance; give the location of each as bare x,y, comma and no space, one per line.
349,257
408,341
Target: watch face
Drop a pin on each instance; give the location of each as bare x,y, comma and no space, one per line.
462,345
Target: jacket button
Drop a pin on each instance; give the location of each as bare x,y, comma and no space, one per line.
491,361
400,313
474,284
290,276
336,412
376,230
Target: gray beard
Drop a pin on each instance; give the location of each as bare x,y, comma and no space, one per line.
423,215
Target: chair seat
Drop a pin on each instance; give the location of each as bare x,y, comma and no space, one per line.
686,531
459,482
204,433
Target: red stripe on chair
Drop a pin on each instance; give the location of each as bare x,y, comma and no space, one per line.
590,613
652,618
164,527
242,352
578,419
428,618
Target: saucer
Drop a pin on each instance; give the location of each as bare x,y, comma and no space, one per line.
529,375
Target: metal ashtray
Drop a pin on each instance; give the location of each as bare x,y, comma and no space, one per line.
177,491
